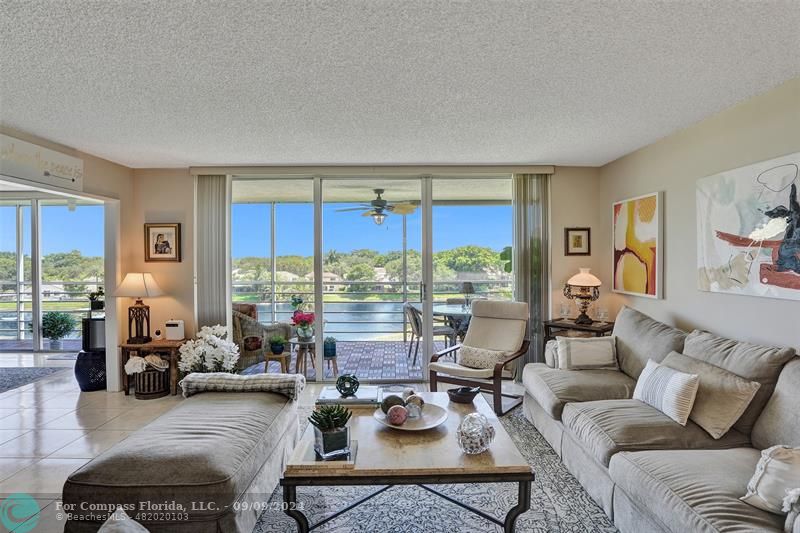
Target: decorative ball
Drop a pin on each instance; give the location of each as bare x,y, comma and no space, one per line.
397,415
347,385
408,391
391,401
415,399
475,434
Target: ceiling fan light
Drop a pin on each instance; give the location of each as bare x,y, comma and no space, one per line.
378,218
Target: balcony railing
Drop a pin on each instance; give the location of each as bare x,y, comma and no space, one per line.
16,306
355,309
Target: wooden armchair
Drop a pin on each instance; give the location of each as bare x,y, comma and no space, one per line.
494,340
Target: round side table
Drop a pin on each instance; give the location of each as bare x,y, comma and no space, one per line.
303,348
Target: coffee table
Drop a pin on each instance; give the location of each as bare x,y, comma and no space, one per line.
389,457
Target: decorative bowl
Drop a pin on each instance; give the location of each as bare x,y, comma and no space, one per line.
431,416
463,394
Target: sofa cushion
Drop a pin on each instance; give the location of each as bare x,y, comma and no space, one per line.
750,361
207,449
779,422
670,391
590,353
553,388
693,490
607,427
722,396
640,338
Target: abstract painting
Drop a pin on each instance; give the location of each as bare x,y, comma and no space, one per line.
748,230
637,246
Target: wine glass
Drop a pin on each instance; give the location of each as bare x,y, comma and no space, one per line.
602,315
564,310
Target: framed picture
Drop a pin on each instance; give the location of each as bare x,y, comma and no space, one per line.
637,255
162,242
577,241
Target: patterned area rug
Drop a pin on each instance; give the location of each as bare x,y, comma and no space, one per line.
558,502
11,378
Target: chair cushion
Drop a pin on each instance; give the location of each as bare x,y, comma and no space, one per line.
721,397
497,325
750,361
694,490
479,357
607,427
553,388
454,369
252,343
640,338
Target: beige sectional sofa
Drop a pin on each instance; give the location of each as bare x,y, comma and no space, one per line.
217,457
648,472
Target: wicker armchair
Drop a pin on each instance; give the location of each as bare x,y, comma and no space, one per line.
252,337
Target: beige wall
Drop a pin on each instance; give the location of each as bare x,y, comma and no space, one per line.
573,204
165,195
764,127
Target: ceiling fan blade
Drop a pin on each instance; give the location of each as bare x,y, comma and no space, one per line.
403,209
369,213
353,209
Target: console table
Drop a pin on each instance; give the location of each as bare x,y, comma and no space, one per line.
164,348
596,329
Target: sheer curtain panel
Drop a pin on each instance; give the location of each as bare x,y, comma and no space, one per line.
212,248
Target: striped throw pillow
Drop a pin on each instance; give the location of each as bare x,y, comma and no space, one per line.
668,390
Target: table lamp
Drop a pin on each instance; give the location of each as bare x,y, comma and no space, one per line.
138,285
585,288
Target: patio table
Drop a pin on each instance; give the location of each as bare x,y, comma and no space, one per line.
456,315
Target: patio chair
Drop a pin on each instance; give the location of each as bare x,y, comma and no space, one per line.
414,318
252,337
494,340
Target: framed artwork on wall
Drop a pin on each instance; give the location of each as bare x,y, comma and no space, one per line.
577,241
748,230
637,256
162,242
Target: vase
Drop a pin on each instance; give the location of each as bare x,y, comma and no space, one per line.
332,443
276,349
305,333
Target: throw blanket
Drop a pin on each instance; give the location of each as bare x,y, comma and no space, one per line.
290,385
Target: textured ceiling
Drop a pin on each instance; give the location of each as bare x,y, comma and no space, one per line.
177,83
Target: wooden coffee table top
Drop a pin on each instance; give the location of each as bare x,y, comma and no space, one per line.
384,451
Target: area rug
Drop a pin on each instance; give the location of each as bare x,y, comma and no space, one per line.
11,378
558,502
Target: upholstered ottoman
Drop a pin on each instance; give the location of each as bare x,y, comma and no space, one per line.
208,465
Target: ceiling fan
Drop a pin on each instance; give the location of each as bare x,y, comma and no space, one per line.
379,208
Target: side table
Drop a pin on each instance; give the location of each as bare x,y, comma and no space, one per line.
158,347
303,348
596,329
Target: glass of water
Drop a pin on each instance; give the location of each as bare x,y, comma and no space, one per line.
564,310
602,314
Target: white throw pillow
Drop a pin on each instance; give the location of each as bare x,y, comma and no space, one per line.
483,358
120,522
584,353
777,471
668,390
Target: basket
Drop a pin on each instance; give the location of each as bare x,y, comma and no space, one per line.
151,384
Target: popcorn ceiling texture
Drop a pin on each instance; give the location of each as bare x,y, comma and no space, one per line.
568,82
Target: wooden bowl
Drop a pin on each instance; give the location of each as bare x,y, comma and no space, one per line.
463,394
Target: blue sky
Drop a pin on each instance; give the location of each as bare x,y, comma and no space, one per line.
62,230
82,229
453,226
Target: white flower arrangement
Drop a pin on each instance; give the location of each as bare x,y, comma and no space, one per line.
210,352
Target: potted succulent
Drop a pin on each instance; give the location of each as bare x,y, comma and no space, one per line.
329,347
277,344
331,434
55,326
97,299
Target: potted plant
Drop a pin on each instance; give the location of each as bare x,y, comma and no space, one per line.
96,299
329,348
210,352
55,326
331,434
305,325
297,303
277,344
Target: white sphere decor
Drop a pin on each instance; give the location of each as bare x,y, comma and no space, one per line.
475,434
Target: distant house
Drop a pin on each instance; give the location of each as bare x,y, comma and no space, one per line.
283,275
331,282
54,291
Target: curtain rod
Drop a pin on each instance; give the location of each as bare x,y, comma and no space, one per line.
371,170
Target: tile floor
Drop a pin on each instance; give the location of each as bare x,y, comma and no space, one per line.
49,428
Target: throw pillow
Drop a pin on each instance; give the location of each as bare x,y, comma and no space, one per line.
252,343
777,471
120,522
668,390
583,353
483,358
722,396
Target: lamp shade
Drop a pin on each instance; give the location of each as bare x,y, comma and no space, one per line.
138,285
584,279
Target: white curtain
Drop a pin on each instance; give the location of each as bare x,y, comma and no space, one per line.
212,251
530,257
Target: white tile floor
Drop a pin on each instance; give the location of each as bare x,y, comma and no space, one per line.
49,428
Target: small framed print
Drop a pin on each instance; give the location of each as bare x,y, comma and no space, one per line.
162,242
577,241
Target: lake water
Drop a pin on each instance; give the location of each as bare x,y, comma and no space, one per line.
350,321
